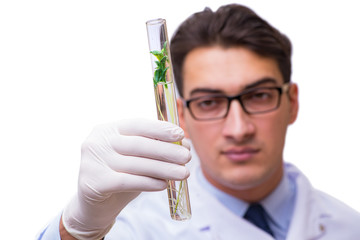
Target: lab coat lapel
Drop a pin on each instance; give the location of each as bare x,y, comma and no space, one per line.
308,213
215,221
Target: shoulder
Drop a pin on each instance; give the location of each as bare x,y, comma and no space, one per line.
338,209
341,221
317,196
148,217
338,218
142,217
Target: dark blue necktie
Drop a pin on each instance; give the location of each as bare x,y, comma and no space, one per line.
256,215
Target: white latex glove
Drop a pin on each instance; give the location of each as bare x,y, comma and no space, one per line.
118,162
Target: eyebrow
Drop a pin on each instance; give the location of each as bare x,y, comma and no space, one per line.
249,86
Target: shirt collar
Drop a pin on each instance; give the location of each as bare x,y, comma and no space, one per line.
279,204
235,205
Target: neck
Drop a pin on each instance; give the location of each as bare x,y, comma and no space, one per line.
257,193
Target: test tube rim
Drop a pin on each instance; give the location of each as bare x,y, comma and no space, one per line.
156,21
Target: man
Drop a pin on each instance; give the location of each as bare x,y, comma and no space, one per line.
233,72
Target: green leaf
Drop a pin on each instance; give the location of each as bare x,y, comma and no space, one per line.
157,54
163,50
157,75
163,60
164,72
161,69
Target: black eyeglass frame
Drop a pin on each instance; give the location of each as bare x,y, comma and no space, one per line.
281,89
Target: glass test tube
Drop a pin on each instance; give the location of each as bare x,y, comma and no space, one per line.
178,194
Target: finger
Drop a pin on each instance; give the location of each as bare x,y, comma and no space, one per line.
148,167
115,182
102,180
155,129
150,148
186,143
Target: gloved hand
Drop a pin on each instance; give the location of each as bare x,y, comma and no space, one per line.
118,162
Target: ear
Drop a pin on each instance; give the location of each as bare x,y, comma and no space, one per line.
181,112
294,102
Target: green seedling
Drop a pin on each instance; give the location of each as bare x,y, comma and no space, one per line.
161,65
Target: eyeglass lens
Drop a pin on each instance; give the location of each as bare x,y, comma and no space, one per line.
256,101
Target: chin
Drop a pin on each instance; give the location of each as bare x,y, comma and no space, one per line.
244,179
241,184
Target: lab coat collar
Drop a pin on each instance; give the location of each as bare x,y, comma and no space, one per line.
309,213
213,227
217,228
307,222
280,203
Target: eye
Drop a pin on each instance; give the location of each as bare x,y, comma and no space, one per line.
261,95
206,103
209,103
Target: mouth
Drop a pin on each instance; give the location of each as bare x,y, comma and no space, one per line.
240,155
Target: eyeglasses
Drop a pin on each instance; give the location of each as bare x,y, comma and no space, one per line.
253,101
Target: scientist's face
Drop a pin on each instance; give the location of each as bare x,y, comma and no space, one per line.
241,154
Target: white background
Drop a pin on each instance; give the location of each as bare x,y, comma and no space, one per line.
66,66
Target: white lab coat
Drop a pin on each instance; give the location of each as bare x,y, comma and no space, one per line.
316,216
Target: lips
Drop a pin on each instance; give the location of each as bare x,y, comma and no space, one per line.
240,154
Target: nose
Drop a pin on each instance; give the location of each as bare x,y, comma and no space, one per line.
238,124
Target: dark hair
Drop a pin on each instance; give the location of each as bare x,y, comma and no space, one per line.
231,25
